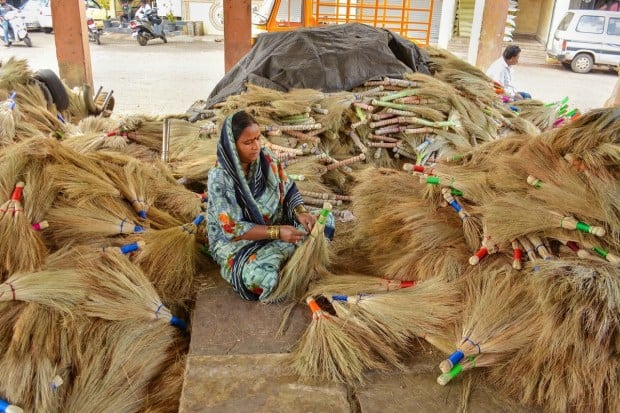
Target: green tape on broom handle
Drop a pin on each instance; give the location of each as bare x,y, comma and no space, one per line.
582,226
456,192
323,216
600,251
454,371
432,180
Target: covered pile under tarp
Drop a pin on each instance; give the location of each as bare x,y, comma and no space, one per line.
329,59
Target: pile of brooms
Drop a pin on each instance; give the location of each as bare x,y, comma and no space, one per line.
104,252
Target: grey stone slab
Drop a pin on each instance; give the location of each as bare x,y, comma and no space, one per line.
224,323
416,390
254,383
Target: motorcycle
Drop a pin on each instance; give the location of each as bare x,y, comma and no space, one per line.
148,27
17,28
94,33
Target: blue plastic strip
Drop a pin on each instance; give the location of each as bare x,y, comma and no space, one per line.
456,206
126,249
456,357
12,96
198,220
138,228
177,322
142,214
340,297
60,118
4,405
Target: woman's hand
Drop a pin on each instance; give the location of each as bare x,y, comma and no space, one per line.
307,220
291,234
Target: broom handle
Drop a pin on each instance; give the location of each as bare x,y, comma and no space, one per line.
478,256
17,192
178,322
345,162
517,252
572,224
398,112
38,226
535,182
454,204
364,106
326,196
573,246
529,248
539,247
9,408
446,365
134,246
605,254
358,141
382,115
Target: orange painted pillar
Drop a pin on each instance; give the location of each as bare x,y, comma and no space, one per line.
237,31
72,49
490,46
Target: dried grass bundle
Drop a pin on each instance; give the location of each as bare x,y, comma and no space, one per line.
169,259
501,315
117,362
59,289
14,71
119,290
7,120
573,363
332,349
309,261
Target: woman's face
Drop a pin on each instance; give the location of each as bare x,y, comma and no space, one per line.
248,144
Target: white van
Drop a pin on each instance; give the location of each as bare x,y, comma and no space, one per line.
585,38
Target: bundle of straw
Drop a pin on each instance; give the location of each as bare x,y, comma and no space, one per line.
7,120
307,262
119,290
169,259
332,349
501,317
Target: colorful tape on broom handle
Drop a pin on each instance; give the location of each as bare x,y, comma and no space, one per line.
11,100
573,224
7,407
323,215
517,253
178,322
17,192
38,226
198,220
134,246
446,365
478,256
445,378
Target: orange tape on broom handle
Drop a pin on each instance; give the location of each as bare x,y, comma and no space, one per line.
17,192
314,307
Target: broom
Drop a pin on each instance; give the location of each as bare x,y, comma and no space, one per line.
58,289
119,290
501,318
352,284
332,349
471,225
307,262
168,258
7,120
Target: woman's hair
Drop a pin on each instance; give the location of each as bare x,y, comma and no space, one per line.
511,51
240,121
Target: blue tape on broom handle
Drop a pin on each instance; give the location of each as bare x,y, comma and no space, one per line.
198,220
12,96
126,249
456,206
340,297
4,405
177,322
138,228
142,214
456,357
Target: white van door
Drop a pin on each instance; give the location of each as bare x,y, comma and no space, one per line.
610,49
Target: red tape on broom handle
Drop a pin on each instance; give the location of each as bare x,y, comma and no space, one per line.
17,192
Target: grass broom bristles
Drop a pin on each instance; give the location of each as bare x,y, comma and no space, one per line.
331,349
307,262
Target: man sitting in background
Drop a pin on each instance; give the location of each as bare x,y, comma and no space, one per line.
501,72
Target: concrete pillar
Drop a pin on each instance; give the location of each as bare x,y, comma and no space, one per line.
448,8
476,27
237,31
492,32
71,36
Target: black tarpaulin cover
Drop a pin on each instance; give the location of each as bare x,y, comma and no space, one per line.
330,59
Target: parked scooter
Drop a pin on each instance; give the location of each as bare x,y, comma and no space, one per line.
18,32
94,33
148,27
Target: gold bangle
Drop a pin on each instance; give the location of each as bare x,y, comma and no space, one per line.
300,209
273,232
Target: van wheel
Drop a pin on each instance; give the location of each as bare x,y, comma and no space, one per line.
55,86
582,63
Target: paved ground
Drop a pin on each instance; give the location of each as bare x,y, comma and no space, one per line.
168,78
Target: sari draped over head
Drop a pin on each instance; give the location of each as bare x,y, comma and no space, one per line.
266,196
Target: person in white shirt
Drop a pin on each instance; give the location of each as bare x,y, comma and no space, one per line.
142,10
501,72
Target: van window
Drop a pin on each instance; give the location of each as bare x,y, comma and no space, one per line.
563,26
614,26
591,24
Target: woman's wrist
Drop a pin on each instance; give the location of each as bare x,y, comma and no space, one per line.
300,209
273,232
